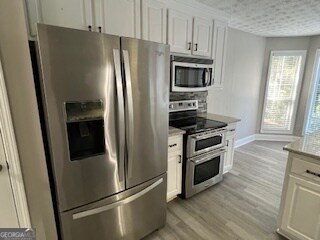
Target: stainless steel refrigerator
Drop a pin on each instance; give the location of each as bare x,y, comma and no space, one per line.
106,114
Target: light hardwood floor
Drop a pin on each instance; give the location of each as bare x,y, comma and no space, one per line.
243,206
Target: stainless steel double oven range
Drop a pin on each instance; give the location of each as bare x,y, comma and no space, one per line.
204,147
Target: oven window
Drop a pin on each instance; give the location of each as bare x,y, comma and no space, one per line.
191,77
206,170
208,142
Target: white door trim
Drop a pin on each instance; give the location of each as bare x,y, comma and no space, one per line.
11,150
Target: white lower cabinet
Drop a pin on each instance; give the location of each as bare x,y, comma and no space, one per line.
174,173
301,217
230,142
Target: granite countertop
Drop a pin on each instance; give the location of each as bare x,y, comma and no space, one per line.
308,145
175,131
219,118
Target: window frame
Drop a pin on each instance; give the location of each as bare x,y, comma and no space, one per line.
314,81
301,53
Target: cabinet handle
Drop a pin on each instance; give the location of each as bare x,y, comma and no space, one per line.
173,145
100,29
196,45
90,28
180,159
1,167
189,45
313,173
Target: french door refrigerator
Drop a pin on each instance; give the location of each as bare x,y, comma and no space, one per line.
105,104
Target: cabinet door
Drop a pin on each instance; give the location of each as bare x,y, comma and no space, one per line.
174,176
202,37
220,34
301,216
228,159
179,32
118,17
154,21
72,13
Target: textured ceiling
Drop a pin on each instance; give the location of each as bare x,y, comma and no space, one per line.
272,17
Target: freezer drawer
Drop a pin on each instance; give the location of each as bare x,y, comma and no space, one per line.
129,215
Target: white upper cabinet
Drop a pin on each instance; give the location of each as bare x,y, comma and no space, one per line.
72,13
188,35
180,32
219,51
202,37
117,17
154,21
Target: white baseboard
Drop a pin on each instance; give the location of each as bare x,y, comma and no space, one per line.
265,137
243,141
275,137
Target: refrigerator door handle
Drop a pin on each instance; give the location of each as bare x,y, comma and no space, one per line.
117,66
116,204
130,122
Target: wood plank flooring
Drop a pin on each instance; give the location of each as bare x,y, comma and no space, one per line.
243,206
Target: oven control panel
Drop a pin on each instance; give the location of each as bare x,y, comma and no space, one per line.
184,105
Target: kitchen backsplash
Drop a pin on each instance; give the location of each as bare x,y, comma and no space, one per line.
200,96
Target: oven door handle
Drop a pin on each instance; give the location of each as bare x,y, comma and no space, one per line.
220,133
206,158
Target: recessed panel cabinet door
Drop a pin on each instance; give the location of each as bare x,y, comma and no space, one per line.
118,17
174,176
154,21
219,50
72,13
179,32
8,215
301,216
202,37
228,160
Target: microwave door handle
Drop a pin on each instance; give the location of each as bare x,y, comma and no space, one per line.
208,77
130,120
121,127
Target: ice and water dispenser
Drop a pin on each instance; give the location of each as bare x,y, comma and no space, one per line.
85,129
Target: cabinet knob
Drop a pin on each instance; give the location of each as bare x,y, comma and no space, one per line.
196,45
189,45
100,29
90,28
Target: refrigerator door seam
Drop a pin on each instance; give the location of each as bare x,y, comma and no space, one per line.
117,65
117,204
130,128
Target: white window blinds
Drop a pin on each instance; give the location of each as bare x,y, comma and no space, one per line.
282,92
313,121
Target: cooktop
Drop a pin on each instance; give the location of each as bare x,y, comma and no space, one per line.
196,124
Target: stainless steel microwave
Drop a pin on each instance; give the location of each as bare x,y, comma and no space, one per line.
191,74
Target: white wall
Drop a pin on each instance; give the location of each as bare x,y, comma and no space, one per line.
14,53
240,94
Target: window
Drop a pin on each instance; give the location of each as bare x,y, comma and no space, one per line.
282,91
313,120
